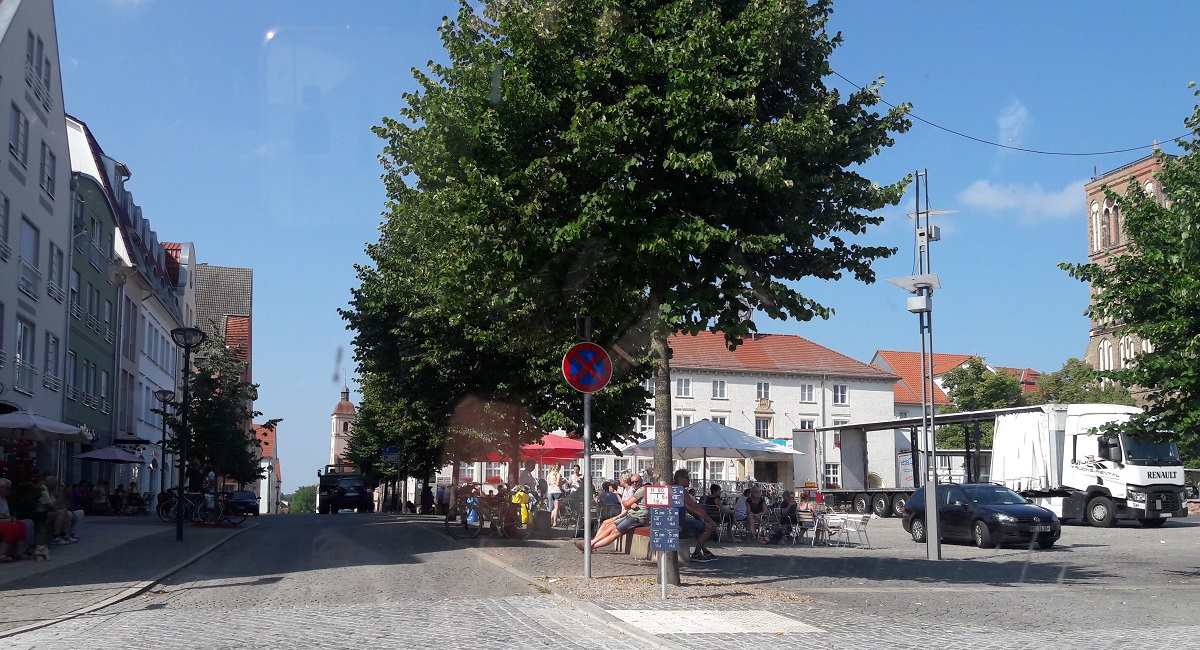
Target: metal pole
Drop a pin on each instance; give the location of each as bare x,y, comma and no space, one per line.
587,485
183,441
933,546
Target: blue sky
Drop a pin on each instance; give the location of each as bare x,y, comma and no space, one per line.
247,128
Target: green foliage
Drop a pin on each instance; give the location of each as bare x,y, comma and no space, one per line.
1153,292
304,499
659,165
974,386
1077,383
220,414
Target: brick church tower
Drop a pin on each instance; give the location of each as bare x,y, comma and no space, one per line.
343,424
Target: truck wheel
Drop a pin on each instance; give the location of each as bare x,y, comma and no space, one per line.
1100,512
862,504
898,501
1152,523
918,530
881,505
981,535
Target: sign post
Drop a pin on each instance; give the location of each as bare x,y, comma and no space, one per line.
664,502
587,368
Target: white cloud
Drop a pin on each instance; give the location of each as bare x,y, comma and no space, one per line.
1031,203
1013,122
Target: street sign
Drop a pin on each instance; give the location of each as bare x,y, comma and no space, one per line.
587,367
658,495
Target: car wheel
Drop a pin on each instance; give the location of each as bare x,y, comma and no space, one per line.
1152,523
918,530
1100,512
1046,543
898,501
862,504
981,534
881,505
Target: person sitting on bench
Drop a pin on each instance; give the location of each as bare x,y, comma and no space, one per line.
638,515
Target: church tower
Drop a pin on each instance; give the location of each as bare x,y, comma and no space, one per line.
343,424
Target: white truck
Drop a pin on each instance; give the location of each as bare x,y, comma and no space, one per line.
1056,455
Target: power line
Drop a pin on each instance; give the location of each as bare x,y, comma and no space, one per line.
1005,146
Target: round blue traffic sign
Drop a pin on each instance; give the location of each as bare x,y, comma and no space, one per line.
587,367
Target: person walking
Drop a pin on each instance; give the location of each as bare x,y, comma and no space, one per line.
554,484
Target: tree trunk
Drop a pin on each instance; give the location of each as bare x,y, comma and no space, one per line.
663,453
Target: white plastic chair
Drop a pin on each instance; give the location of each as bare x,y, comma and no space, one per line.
855,524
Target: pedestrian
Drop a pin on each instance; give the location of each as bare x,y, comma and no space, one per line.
554,485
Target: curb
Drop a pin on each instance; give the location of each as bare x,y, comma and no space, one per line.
126,593
584,606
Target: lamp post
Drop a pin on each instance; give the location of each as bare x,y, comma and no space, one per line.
166,397
186,338
922,287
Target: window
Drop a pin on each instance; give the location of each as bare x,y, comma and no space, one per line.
26,370
104,385
902,414
620,467
806,393
5,211
718,389
646,423
31,245
764,390
70,374
48,170
683,388
56,272
50,364
807,425
693,468
762,427
648,384
643,467
491,470
718,420
597,467
466,471
1104,359
18,135
1127,350
682,421
716,470
833,475
841,394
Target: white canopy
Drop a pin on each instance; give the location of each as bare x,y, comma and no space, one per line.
707,438
23,425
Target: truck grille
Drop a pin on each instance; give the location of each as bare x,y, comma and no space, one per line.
1170,500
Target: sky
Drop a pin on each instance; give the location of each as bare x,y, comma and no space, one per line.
247,128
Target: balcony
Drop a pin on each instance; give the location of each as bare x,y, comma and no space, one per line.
3,358
31,279
109,334
93,323
72,392
105,406
52,382
5,250
90,401
40,91
76,311
26,378
56,292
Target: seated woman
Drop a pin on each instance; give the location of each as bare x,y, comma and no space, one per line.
756,510
787,510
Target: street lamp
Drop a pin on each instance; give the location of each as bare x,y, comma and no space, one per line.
186,338
166,397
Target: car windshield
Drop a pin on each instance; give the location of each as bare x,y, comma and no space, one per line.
992,495
244,495
349,483
1147,452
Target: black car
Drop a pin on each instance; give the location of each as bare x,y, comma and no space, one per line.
985,514
351,494
243,502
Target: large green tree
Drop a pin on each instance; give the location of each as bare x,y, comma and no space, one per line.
660,165
1153,291
1077,383
304,499
973,386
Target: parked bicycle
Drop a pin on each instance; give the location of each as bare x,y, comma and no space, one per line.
473,509
195,508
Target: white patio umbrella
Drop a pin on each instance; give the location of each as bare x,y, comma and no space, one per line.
23,425
112,455
704,438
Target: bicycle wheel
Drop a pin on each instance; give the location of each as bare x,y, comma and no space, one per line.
511,525
234,518
166,510
464,522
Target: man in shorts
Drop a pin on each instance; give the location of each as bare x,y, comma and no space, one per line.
638,515
701,527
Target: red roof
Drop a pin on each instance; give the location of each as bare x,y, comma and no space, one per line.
1027,376
908,365
172,255
266,440
237,336
773,353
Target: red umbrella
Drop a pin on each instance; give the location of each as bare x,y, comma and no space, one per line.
553,449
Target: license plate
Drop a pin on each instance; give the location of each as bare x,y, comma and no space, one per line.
1039,529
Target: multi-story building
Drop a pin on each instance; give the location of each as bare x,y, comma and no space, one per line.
907,365
94,291
268,489
35,216
1109,346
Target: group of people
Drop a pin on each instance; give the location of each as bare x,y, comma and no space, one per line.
751,508
54,521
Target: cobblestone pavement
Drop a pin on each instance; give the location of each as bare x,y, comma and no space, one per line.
375,580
